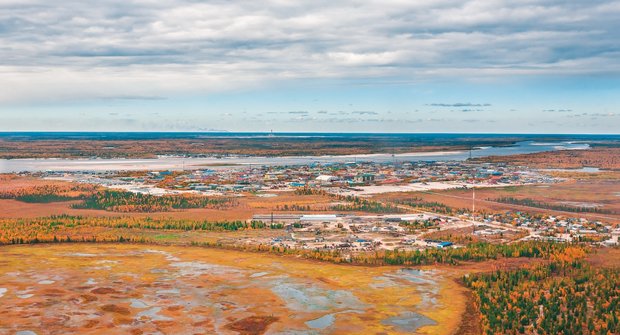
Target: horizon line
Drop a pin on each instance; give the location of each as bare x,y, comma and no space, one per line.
285,132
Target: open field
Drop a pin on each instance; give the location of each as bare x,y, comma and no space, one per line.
9,182
608,257
599,193
600,157
131,289
243,207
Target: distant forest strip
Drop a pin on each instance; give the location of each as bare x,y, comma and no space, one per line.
538,204
475,252
361,205
44,198
130,146
366,206
44,228
431,206
115,200
123,201
49,193
564,296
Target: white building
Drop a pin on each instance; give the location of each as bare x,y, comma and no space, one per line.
324,178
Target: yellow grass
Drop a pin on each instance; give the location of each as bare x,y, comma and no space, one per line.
208,301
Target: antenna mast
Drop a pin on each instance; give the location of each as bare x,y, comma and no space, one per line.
473,200
473,207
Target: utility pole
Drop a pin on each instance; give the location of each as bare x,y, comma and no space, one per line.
473,207
473,200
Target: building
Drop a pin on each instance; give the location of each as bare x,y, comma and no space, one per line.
364,177
324,178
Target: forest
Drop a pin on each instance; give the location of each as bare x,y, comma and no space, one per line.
475,252
122,201
53,228
565,296
432,206
49,193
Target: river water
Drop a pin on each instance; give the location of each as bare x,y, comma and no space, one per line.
180,163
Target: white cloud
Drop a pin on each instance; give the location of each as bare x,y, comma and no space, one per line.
71,49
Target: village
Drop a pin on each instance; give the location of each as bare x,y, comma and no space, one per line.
354,178
416,231
412,227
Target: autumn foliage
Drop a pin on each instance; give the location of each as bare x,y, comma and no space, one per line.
565,296
121,201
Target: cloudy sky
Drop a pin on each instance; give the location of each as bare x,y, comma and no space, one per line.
524,66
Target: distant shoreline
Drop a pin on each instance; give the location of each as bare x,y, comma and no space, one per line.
181,163
101,135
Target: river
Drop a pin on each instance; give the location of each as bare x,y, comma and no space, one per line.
180,163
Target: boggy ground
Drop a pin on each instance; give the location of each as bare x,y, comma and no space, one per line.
135,289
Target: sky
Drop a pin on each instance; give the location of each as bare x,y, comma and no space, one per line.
498,66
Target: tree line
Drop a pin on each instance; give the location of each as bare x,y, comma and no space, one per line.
46,228
49,193
113,200
431,206
123,201
538,204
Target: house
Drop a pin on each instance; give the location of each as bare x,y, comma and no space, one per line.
365,177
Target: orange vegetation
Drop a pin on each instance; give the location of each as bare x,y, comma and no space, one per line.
604,158
602,193
239,208
133,289
253,325
605,257
223,146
